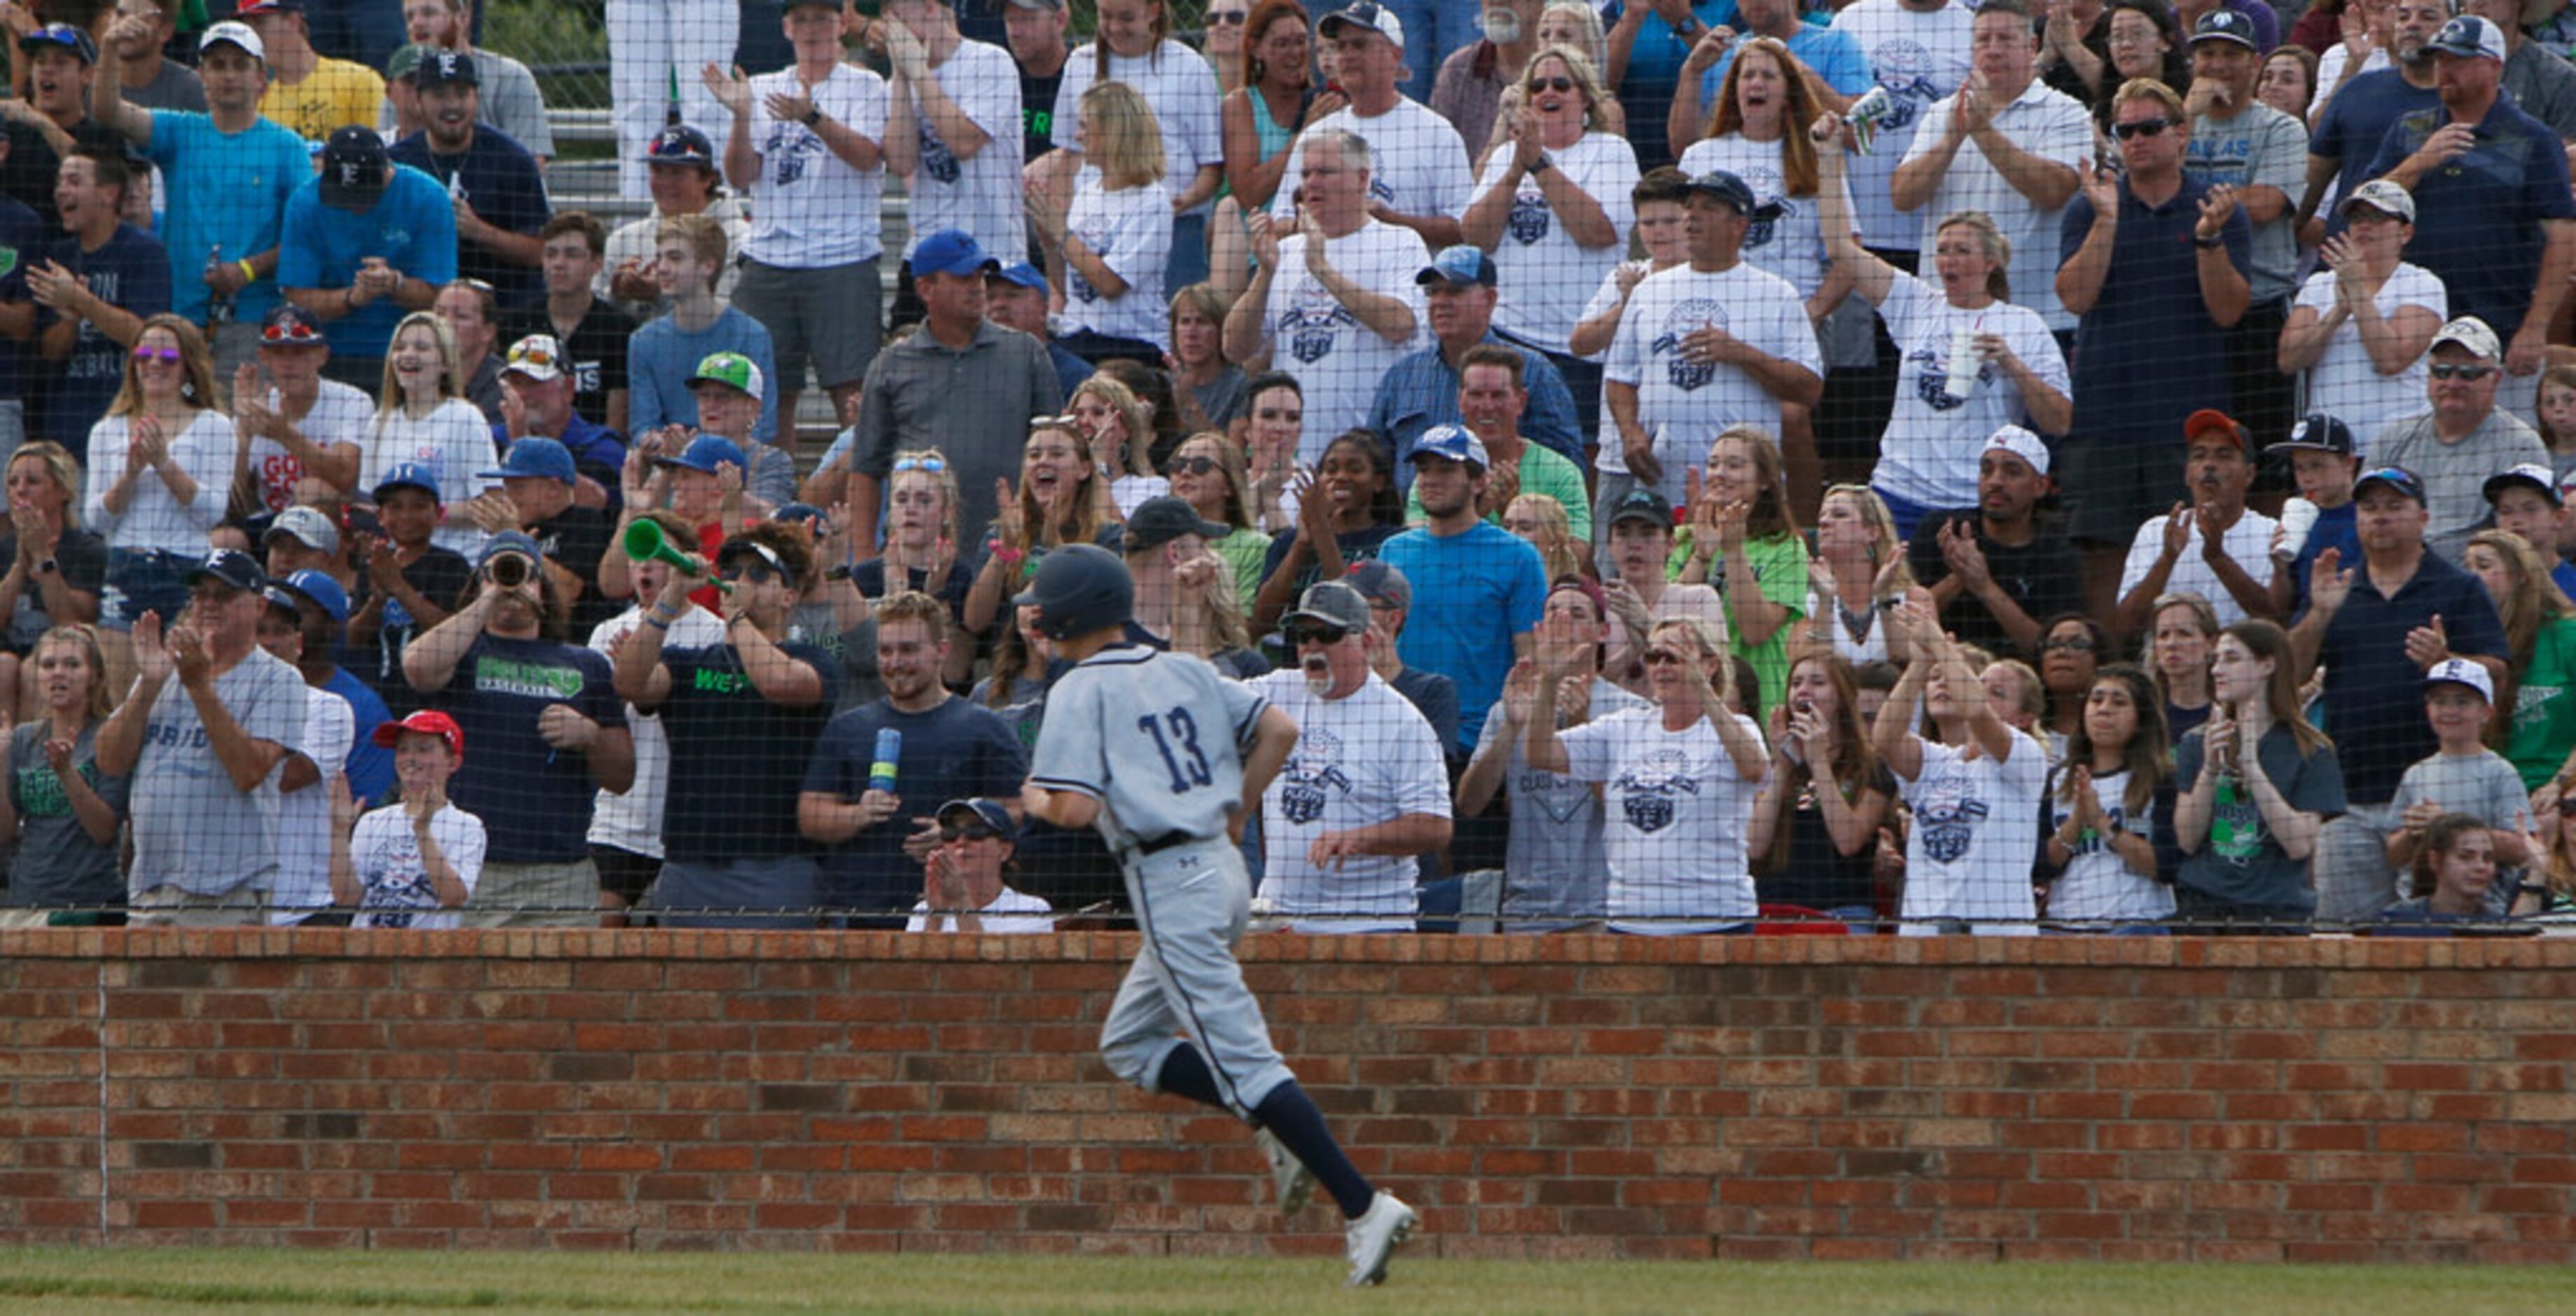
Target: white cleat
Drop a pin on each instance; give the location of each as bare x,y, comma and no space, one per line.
1374,1237
1295,1183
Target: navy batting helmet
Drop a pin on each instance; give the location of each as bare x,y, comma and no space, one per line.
1079,589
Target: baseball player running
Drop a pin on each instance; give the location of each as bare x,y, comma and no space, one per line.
1167,758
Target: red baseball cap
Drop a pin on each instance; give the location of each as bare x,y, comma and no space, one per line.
429,724
2209,420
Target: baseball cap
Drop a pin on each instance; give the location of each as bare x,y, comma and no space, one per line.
951,251
1332,603
2472,333
2471,37
732,369
534,457
1588,588
427,723
1643,504
2460,671
506,542
1039,4
1464,263
1159,521
290,325
2224,24
737,548
1379,581
2531,473
680,144
1023,274
2319,432
2020,443
405,59
705,453
1734,191
60,36
355,168
249,7
408,475
325,592
1368,14
2383,196
1455,442
538,356
231,566
2210,420
231,33
2395,477
990,813
446,68
306,526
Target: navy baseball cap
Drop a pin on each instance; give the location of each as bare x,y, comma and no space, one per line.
231,566
1159,521
1726,187
1368,14
60,36
535,457
408,475
2395,477
509,541
705,453
681,144
951,251
1464,263
1455,442
1023,274
2469,37
1643,504
355,168
325,592
2224,24
446,68
2319,432
989,813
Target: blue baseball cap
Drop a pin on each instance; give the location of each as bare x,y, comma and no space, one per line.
705,453
951,251
2395,477
61,36
414,475
1455,442
1023,274
989,812
1464,263
535,457
509,541
322,590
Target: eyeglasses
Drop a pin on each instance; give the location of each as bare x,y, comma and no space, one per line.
2068,644
2445,371
1314,634
293,331
1191,465
1560,82
165,355
1656,656
933,465
973,831
2141,128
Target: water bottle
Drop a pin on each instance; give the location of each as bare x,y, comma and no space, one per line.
881,764
219,305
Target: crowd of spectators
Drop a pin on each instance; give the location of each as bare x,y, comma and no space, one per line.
1683,468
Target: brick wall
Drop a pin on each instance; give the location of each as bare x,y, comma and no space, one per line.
1799,1097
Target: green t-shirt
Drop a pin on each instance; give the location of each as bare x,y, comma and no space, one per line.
1780,571
2543,726
1243,551
1543,471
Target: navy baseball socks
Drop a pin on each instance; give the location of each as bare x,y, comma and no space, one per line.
1289,1115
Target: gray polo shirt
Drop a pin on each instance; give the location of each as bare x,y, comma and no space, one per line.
974,406
2455,474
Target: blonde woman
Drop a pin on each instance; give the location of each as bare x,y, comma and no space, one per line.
55,805
1120,428
56,569
422,417
1857,574
1056,504
1106,259
158,462
1207,472
1541,521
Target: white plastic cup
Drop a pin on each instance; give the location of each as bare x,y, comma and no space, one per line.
2298,517
1963,364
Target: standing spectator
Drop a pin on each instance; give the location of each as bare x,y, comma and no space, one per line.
1474,81
469,308
741,717
2105,849
1640,591
203,752
2361,325
1918,52
424,423
730,393
1134,45
1015,297
591,331
492,182
2134,281
2239,141
1815,827
2322,466
1857,573
1975,794
2493,216
1661,201
949,99
688,256
322,611
2350,124
535,498
2260,791
1994,572
1108,252
2462,775
1363,792
301,425
412,864
2542,82
56,569
1390,600
1480,589
311,94
412,582
1702,348
21,233
1035,29
156,472
2214,545
51,121
2530,505
1460,298
310,778
1824,58
538,385
1262,117
680,168
2005,145
1207,389
62,814
93,290
652,46
1491,402
2184,634
1421,179
805,149
2539,696
366,242
2467,437
228,173
1338,292
146,76
1648,44
626,829
511,103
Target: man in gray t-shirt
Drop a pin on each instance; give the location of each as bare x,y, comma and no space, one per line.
203,750
2465,439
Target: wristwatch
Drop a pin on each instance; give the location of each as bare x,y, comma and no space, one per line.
47,567
814,117
2209,244
1542,164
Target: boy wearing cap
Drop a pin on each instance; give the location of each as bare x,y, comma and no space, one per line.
56,64
2322,467
731,391
411,583
493,183
366,241
2213,546
2462,775
416,863
680,169
300,426
201,732
309,93
689,253
2467,435
590,331
965,883
311,780
2527,500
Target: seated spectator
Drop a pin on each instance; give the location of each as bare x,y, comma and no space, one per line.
1120,426
2526,500
680,168
2213,546
156,469
1541,522
310,779
535,498
470,311
412,864
366,241
56,569
2463,776
1363,793
20,230
688,253
1974,795
965,884
593,331
2256,783
423,421
2451,881
1814,830
2322,467
1640,593
301,425
2463,439
411,584
2105,853
538,388
94,289
1428,388
62,815
1184,592
307,91
1993,571
2072,651
1390,600
322,611
626,829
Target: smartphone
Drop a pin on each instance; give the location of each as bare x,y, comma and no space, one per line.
358,519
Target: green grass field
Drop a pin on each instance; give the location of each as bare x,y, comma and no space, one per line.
255,1281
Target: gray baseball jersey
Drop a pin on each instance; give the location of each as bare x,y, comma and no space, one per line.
1157,738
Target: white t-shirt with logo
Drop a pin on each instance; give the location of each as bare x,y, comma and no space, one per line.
1336,360
1421,163
1792,245
2343,383
1684,404
340,414
303,881
2097,885
1546,277
1918,58
810,210
2249,541
1969,855
1366,759
1131,231
1933,442
1178,83
980,194
1674,815
385,856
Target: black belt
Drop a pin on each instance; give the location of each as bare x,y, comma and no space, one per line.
1158,844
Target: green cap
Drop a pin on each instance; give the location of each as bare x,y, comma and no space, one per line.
729,368
399,67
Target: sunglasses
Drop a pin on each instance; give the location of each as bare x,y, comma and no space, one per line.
2141,128
758,573
1312,634
1657,656
2446,371
1560,82
295,332
1191,466
1228,17
933,465
165,355
969,832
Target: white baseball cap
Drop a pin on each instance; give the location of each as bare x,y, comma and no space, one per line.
2020,443
2472,333
2460,671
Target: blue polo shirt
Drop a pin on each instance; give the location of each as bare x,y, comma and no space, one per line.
1422,391
1473,594
2148,354
2356,122
226,190
2374,692
500,180
412,227
2478,219
370,766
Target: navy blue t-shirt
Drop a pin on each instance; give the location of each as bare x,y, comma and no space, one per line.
22,242
954,751
499,179
130,271
534,800
2374,692
736,758
2148,354
2356,123
2478,219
